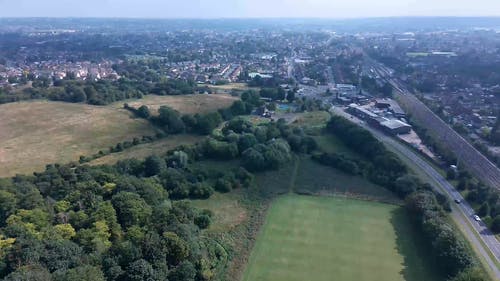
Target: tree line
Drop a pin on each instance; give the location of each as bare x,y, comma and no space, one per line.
486,197
100,92
426,207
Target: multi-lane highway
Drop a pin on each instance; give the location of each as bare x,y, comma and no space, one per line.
476,232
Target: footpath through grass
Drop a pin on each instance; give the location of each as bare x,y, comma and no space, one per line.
325,238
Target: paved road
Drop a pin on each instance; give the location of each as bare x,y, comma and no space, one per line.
469,157
462,213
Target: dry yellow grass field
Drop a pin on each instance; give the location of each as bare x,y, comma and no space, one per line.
33,134
231,86
36,133
186,104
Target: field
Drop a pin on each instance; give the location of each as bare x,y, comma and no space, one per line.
33,134
331,144
36,133
230,87
417,54
144,150
312,120
227,209
312,177
186,104
328,238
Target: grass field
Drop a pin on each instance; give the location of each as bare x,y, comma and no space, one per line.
186,104
227,209
325,238
144,150
312,177
231,86
331,144
314,121
33,134
36,133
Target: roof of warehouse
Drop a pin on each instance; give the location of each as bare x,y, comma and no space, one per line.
394,124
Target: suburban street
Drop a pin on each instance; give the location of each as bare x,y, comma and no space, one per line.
461,213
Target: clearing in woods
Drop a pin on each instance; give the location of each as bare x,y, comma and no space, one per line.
333,238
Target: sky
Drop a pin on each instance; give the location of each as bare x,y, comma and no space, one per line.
247,8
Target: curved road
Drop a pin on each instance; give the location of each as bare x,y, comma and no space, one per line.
489,246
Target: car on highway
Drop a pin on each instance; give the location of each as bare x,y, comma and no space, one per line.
457,201
476,218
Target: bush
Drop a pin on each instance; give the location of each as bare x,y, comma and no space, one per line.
484,210
339,161
268,156
206,123
202,221
223,185
143,112
200,191
153,165
220,150
470,274
495,224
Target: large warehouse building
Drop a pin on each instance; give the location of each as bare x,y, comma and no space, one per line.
395,127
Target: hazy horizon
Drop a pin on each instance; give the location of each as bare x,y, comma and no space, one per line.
242,9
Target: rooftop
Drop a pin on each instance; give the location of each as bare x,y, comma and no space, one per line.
394,124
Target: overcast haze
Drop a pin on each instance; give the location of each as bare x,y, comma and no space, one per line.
247,8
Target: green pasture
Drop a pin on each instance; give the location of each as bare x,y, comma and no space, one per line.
333,238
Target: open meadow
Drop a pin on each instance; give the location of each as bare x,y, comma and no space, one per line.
228,88
33,134
36,133
185,104
331,238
